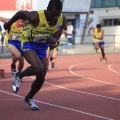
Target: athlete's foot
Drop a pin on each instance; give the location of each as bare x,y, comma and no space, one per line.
104,61
95,52
52,64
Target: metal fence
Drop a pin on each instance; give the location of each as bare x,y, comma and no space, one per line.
112,44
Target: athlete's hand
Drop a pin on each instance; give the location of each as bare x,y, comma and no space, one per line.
51,40
39,40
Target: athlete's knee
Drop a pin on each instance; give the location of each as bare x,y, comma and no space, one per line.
21,62
38,69
17,55
54,56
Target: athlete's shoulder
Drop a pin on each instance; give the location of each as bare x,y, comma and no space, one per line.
40,11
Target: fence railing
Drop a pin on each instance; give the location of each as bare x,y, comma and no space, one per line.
112,42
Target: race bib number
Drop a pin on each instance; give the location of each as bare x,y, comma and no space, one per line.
15,36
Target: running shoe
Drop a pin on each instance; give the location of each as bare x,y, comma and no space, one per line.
96,52
49,67
13,69
52,64
16,83
32,104
104,61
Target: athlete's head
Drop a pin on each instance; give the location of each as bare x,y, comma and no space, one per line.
20,22
98,26
54,10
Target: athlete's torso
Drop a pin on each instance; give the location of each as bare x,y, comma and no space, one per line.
14,33
43,29
97,34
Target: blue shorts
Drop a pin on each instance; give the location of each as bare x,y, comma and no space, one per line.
17,44
39,48
101,43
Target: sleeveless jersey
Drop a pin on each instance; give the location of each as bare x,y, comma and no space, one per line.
97,34
14,33
43,29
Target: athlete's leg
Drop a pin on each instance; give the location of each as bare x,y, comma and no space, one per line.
16,54
101,44
93,45
37,83
21,63
102,51
96,47
38,67
48,55
14,48
54,55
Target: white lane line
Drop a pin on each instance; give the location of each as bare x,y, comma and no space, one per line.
70,69
78,91
97,95
109,67
62,107
83,92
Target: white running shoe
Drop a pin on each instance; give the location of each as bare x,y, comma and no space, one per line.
16,83
32,104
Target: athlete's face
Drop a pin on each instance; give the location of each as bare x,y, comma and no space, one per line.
98,29
20,22
53,15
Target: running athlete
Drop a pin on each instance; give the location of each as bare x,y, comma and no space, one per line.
98,40
45,27
12,43
52,52
94,47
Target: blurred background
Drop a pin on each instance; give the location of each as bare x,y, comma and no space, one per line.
82,14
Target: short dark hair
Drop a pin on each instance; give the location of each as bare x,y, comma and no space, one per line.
57,4
98,26
0,28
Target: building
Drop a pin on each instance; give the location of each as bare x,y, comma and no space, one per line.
107,13
82,15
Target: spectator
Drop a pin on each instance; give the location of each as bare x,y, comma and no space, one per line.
70,30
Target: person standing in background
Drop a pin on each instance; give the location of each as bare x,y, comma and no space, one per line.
70,30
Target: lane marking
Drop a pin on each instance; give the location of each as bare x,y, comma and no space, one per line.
109,67
93,79
97,95
62,107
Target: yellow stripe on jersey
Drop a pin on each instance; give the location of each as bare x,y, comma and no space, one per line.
43,29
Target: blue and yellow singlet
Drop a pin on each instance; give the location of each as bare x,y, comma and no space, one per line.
97,34
43,29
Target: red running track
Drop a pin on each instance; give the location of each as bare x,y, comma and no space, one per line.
78,88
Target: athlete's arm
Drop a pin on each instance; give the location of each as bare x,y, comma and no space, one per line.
25,15
91,28
57,35
4,19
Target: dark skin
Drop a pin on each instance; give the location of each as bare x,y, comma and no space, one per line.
33,17
38,66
